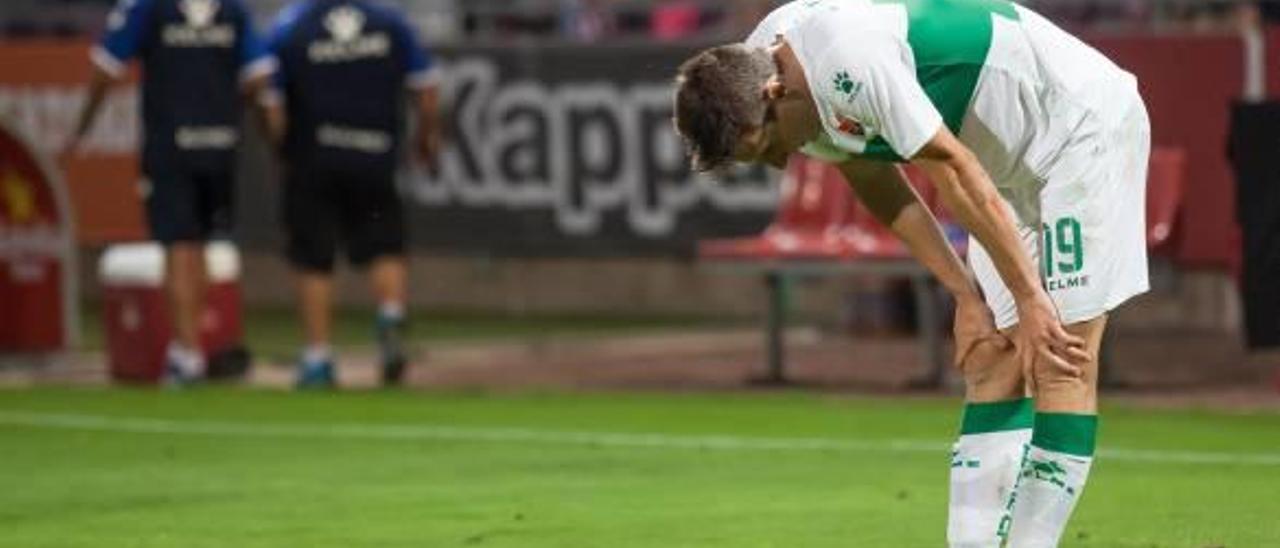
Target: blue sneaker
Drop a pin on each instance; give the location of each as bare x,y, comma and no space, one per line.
316,375
390,332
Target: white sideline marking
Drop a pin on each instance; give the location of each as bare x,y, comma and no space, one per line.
134,425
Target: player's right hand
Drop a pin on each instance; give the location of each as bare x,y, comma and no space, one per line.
1042,341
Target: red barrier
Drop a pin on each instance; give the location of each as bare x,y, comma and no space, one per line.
1188,83
37,306
1165,189
1273,61
42,86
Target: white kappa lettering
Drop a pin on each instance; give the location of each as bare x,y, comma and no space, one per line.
580,149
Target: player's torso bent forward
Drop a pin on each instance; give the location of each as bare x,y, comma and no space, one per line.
1060,128
1021,93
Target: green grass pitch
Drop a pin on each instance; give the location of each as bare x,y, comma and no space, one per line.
228,467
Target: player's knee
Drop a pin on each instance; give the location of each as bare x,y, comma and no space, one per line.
1054,382
991,373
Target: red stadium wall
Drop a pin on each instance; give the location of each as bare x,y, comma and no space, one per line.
1273,51
1189,83
42,87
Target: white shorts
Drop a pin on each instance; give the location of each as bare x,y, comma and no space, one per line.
1091,243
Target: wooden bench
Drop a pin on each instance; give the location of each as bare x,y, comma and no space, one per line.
821,229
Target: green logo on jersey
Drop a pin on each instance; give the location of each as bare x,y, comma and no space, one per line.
846,85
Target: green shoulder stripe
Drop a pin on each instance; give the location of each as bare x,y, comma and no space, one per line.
949,40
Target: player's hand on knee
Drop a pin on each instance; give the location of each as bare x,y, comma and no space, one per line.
977,340
1041,339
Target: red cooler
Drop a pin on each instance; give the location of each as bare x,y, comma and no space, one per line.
136,310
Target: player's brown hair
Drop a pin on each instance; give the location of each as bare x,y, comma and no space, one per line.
719,96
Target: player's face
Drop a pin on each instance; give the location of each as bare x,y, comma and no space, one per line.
790,119
763,143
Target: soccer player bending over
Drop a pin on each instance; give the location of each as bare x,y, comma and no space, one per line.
1035,141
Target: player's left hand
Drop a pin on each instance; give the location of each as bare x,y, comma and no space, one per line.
1041,339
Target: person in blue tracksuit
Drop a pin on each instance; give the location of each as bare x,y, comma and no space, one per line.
339,98
200,60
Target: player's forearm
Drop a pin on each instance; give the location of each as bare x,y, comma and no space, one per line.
267,106
919,230
968,192
427,102
271,119
888,195
97,93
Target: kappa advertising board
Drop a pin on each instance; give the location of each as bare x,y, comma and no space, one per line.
551,151
571,150
558,151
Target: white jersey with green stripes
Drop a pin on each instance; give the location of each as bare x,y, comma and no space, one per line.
887,74
1060,128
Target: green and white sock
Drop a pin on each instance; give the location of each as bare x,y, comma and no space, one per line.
1052,479
984,468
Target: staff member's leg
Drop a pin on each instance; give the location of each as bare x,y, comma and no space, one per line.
311,216
375,236
183,210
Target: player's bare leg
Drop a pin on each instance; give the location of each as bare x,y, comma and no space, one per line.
185,279
315,302
389,277
987,458
1061,452
315,292
1059,393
